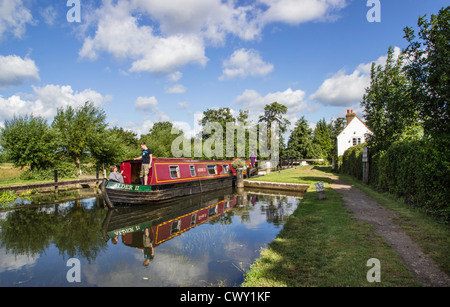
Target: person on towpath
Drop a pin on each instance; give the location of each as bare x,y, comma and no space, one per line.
147,157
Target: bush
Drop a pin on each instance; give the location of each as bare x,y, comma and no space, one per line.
65,170
419,172
416,170
238,163
352,161
374,177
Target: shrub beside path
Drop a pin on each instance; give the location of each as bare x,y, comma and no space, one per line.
368,210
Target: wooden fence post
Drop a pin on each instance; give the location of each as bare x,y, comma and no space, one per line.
365,162
56,180
240,177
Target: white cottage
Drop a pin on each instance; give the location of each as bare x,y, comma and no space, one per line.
354,133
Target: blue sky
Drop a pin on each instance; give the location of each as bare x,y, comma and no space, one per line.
144,61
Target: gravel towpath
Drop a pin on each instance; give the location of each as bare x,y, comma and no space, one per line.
368,210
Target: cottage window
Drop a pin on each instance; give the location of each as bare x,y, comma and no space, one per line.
174,171
212,169
354,141
192,168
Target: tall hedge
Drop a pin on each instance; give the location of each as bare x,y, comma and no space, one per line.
352,161
419,172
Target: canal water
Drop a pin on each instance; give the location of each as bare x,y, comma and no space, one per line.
205,240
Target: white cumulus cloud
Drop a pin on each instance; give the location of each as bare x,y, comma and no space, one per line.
161,36
254,102
243,63
120,34
46,100
15,71
344,89
299,11
146,104
176,89
13,18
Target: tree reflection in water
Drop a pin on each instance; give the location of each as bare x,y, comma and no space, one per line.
72,227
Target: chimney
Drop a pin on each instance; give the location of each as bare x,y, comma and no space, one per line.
350,115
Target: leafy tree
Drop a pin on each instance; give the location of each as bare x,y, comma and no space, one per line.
300,141
389,108
221,117
128,146
212,122
110,150
29,141
429,71
127,137
322,139
3,156
243,117
80,130
273,113
160,138
335,127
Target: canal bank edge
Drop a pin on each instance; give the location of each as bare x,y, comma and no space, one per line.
260,275
299,187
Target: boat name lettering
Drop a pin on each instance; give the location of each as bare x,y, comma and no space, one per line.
127,230
201,169
126,187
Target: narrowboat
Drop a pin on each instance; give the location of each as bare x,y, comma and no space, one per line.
168,178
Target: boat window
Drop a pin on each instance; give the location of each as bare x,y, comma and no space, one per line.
174,171
212,211
212,169
193,219
192,168
176,227
226,168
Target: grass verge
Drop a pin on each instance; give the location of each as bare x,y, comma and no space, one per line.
321,244
431,235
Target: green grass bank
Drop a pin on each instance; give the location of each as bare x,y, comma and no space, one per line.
321,244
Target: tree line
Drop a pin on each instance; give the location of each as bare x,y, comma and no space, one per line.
81,135
408,97
407,100
406,107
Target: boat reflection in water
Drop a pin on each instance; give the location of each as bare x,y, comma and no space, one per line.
115,247
145,227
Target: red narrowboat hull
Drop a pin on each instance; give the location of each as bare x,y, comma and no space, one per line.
168,178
